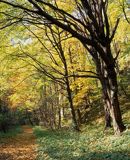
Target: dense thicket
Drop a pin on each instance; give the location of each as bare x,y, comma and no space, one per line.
5,117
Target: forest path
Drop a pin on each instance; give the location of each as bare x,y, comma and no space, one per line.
21,147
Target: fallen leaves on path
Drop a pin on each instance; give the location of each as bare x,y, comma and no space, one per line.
21,147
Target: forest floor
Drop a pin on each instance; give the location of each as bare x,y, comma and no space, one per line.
19,147
91,144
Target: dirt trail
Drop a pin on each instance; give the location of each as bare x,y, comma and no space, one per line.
21,147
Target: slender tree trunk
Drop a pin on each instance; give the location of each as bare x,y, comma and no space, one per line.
71,62
76,126
59,118
29,118
59,104
54,115
63,111
69,92
79,116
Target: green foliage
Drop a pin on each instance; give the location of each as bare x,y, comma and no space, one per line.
4,119
11,133
92,144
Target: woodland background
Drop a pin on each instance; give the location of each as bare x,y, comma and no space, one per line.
65,65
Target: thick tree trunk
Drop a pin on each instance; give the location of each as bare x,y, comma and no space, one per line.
111,102
105,87
108,119
108,79
115,111
107,104
111,105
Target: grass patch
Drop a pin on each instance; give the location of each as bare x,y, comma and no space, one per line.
11,132
91,144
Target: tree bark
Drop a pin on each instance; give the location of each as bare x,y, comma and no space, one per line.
59,118
107,114
29,118
100,68
76,126
115,111
79,116
106,102
108,80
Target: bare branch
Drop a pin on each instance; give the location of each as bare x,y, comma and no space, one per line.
83,76
114,30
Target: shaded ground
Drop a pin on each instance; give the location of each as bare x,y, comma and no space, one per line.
21,147
90,144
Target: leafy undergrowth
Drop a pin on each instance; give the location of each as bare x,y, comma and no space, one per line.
11,132
90,144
